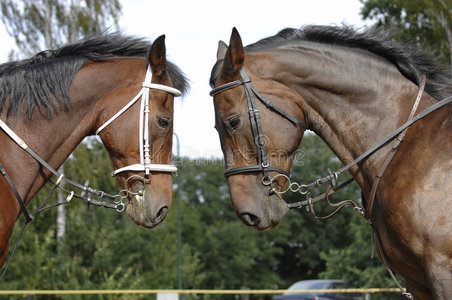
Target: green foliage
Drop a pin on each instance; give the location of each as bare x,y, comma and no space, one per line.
233,256
308,237
106,250
424,22
354,264
45,24
102,249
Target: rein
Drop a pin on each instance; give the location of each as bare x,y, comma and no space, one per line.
145,164
303,189
101,194
399,133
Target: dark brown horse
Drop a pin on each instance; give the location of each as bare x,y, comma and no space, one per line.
117,86
353,90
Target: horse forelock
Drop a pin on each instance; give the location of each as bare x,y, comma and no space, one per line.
43,81
409,60
214,73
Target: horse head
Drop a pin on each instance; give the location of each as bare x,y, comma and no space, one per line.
139,139
251,113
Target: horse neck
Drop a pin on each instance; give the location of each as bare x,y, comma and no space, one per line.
55,139
351,99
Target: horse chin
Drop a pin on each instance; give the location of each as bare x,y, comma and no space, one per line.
274,209
147,211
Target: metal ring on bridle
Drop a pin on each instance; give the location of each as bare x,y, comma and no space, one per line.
120,206
138,177
69,196
286,188
147,177
124,195
305,189
266,180
333,176
300,188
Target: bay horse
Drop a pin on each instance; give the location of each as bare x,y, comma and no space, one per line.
353,89
50,102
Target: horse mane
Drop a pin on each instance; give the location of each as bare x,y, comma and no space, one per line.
43,80
409,60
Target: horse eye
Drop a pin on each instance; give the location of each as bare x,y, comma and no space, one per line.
163,122
234,122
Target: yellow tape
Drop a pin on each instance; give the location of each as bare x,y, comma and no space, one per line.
238,292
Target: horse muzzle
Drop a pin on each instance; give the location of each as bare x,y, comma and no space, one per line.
148,207
255,204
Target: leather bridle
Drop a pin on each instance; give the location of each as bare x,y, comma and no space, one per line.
256,128
303,189
397,135
145,164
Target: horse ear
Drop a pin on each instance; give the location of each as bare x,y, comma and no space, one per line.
222,48
157,56
234,57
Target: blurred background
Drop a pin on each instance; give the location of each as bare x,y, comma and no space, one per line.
202,244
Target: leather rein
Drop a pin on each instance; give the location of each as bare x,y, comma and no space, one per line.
86,191
304,189
396,136
144,165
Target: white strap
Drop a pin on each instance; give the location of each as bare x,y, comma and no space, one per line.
144,134
12,135
146,85
162,87
120,112
144,142
152,167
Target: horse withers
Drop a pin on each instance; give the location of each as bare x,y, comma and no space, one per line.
353,89
118,86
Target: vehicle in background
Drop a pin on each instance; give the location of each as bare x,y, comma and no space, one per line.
320,284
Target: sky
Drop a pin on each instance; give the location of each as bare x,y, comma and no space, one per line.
193,29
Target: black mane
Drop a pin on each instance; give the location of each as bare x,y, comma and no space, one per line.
410,61
43,80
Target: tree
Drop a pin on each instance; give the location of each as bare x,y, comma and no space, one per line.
308,237
425,22
354,264
36,25
103,249
230,251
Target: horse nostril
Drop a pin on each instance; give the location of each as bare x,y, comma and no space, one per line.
250,219
161,214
